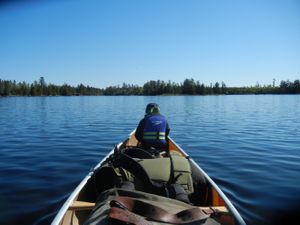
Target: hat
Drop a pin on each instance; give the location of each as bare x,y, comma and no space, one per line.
152,108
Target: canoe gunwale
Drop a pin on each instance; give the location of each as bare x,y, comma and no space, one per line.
59,216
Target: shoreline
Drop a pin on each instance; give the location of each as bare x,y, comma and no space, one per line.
162,95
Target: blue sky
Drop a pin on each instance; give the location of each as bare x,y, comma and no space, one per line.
102,43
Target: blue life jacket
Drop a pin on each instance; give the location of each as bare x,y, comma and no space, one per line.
155,129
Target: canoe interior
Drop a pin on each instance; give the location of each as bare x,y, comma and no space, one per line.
88,192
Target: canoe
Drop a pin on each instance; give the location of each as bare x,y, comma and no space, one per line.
214,205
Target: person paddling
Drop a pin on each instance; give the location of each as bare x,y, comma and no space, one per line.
153,129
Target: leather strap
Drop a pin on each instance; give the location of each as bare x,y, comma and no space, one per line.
210,210
127,217
156,213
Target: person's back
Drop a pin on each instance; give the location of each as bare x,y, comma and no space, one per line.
153,129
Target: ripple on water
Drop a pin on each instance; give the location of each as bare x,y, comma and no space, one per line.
249,145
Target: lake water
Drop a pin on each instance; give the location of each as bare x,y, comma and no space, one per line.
249,145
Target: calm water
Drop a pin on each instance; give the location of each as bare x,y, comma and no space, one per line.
250,146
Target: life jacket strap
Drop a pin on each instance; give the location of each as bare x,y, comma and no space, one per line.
154,135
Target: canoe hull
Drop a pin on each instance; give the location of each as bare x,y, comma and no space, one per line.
86,192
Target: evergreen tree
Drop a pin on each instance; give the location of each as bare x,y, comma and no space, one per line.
216,88
188,87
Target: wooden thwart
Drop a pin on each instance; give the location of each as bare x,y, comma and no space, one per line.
80,205
220,209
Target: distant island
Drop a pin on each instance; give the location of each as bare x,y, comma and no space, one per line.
159,87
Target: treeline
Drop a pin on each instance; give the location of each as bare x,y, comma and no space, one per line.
188,87
192,87
285,87
125,89
41,88
159,87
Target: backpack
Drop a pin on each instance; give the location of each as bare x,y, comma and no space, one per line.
170,176
160,211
